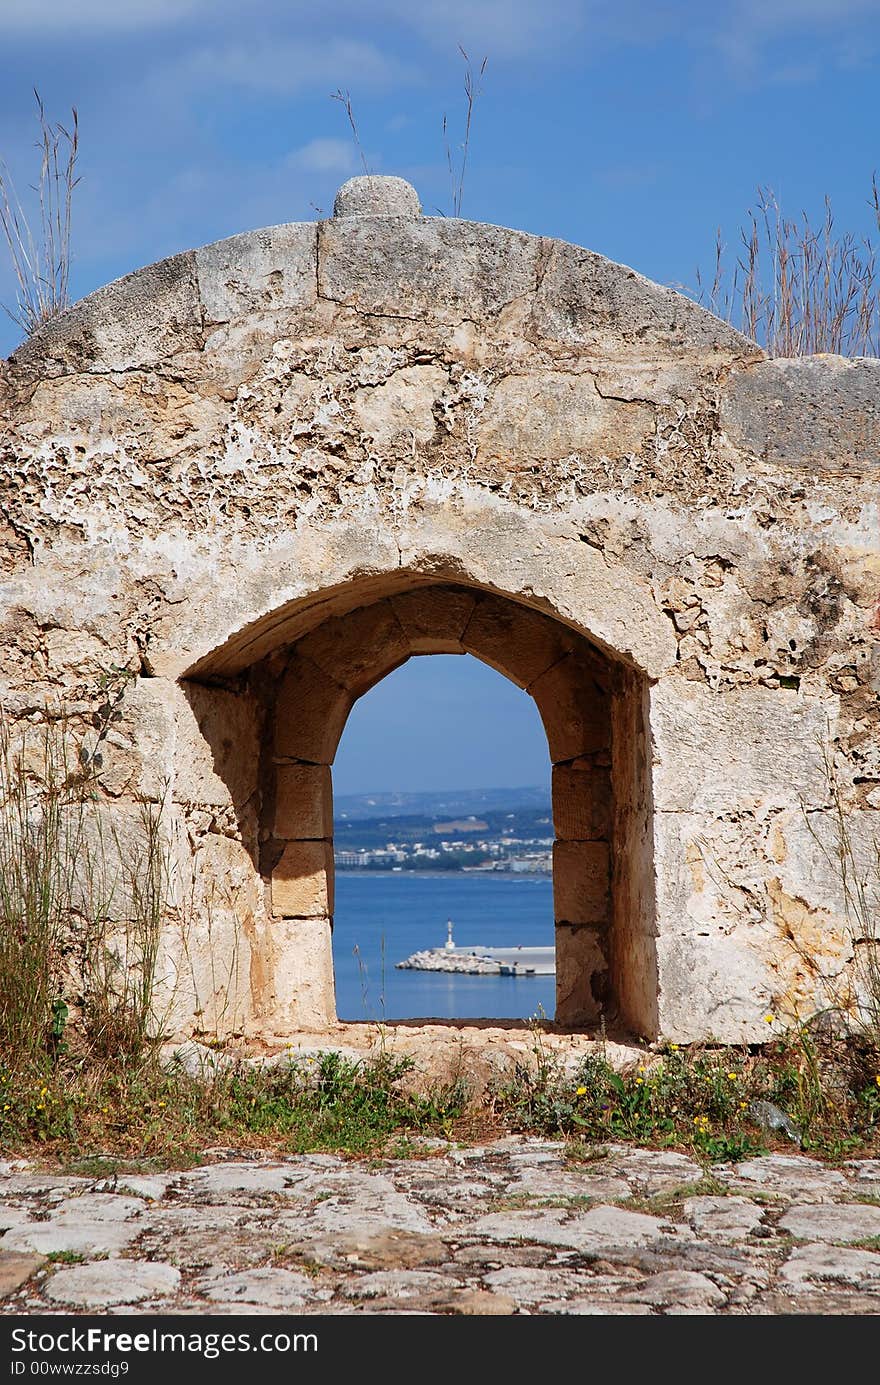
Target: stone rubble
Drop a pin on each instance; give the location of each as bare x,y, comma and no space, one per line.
508,1227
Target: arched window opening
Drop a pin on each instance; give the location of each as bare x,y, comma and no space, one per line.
443,825
288,714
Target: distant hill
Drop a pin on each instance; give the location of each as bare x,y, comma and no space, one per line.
449,803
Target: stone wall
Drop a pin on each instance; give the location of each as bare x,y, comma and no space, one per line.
249,481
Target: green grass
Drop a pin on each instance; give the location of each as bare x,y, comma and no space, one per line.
146,1116
112,1118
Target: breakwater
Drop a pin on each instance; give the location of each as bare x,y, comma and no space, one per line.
487,961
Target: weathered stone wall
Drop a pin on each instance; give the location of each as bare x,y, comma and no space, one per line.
232,473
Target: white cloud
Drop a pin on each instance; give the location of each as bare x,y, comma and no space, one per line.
502,29
749,34
287,66
497,28
32,17
325,155
768,15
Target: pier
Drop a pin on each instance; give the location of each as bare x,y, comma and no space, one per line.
484,961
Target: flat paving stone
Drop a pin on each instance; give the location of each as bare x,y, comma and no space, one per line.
744,1263
810,1265
841,1221
374,1251
673,1288
232,1236
564,1185
16,1269
432,1182
369,1206
107,1282
152,1186
864,1175
265,1288
528,1287
397,1284
540,1154
13,1216
495,1255
184,1306
511,1227
19,1183
99,1207
219,1182
792,1176
652,1171
822,1303
723,1218
598,1229
94,1224
599,1308
474,1303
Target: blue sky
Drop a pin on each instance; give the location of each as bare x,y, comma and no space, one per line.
635,128
442,722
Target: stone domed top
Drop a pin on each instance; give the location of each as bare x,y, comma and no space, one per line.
374,194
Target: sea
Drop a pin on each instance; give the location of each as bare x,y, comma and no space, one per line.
382,918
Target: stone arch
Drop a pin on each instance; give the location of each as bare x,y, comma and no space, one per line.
592,708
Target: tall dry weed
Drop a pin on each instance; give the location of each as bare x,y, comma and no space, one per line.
799,289
39,248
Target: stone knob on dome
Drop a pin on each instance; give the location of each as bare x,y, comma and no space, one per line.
374,194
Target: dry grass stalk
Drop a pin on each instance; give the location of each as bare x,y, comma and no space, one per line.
799,290
41,257
855,997
64,881
344,99
118,961
472,89
39,846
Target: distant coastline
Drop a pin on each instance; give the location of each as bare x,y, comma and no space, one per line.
436,834
386,873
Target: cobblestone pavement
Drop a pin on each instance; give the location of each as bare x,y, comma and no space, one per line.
510,1227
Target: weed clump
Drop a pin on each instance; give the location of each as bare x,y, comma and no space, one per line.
710,1101
161,1113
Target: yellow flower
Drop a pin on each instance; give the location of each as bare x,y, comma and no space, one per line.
673,1048
581,1091
640,1081
743,1105
877,1079
769,1019
732,1076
